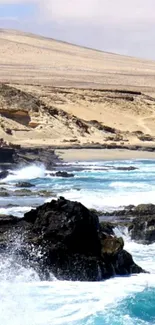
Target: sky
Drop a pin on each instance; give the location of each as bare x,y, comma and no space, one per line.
120,26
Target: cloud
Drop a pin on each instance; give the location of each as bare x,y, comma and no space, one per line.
98,11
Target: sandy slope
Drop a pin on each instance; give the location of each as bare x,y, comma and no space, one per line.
33,59
34,110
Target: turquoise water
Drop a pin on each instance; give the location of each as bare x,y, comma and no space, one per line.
25,300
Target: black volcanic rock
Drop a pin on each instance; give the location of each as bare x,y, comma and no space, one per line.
8,220
12,156
144,210
139,219
142,229
75,247
68,223
24,185
127,168
4,174
63,174
65,238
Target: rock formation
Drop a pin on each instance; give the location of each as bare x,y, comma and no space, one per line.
71,243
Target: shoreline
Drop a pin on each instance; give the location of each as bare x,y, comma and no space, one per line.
50,156
84,154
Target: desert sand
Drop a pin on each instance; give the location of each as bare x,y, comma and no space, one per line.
75,155
57,94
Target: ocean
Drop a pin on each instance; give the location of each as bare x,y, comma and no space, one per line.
25,300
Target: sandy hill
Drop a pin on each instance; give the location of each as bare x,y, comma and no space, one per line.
33,59
57,93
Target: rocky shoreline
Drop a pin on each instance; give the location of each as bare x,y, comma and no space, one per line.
12,156
66,239
16,156
140,221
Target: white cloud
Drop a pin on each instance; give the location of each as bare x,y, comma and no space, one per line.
93,10
99,10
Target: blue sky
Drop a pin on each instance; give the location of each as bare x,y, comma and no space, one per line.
121,26
17,10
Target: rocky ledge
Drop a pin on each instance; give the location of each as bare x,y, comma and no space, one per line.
140,221
65,238
12,156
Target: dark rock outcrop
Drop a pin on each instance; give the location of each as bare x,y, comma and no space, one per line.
4,174
75,246
142,229
143,210
24,185
143,225
63,174
12,156
7,220
139,219
22,192
128,168
71,243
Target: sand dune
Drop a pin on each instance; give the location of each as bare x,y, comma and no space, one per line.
60,94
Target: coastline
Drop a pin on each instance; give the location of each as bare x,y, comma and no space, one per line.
82,154
50,156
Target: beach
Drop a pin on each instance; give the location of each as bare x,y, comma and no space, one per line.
102,154
77,184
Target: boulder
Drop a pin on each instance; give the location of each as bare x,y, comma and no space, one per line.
67,223
63,174
24,184
65,238
22,192
45,193
128,168
144,210
4,174
74,245
142,229
111,245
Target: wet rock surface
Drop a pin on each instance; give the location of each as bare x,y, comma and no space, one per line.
142,228
25,192
139,219
24,185
14,156
4,174
71,243
62,174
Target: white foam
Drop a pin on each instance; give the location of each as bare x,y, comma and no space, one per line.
64,303
25,300
131,185
105,200
27,173
16,211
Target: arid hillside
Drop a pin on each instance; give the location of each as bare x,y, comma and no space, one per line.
54,93
39,115
27,58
